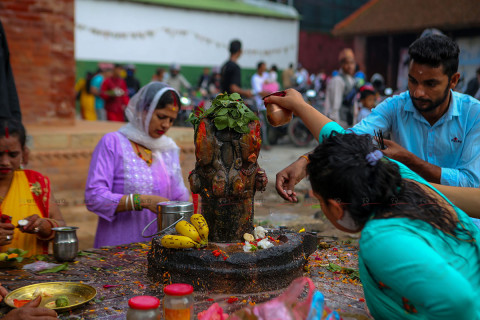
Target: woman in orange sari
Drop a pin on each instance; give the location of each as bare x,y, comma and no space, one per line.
24,195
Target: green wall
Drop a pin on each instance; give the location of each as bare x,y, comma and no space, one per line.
144,72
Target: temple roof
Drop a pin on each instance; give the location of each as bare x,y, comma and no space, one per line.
378,17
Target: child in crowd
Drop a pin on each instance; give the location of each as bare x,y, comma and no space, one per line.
368,97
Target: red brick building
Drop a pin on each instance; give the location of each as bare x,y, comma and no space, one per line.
40,37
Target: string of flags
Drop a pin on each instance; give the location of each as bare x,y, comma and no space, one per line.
141,35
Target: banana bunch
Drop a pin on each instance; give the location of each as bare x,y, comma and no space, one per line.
200,224
192,235
178,242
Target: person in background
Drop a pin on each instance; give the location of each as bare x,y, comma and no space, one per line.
86,98
203,81
258,80
301,78
24,195
105,70
135,168
473,86
30,311
361,190
9,104
271,84
435,130
368,98
177,81
215,82
133,84
288,77
114,93
339,87
159,75
231,74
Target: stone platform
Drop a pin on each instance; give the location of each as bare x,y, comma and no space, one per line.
225,268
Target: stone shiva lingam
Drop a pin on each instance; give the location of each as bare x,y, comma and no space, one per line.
226,176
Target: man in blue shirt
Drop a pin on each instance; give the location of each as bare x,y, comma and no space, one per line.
436,130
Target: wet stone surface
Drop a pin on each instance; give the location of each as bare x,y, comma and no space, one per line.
119,273
224,268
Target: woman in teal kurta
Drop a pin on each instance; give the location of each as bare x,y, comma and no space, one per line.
419,254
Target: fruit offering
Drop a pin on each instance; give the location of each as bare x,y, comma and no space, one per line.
178,242
192,235
62,301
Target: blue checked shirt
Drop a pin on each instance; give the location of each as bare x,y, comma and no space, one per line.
452,143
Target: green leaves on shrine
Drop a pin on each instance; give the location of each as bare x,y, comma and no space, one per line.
227,111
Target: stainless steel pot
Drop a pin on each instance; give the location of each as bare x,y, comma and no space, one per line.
65,243
169,213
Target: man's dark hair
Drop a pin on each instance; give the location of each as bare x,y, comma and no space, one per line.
478,70
235,46
260,64
435,50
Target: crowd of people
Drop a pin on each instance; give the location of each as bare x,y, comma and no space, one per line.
414,197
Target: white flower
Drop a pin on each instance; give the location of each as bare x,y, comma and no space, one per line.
259,232
264,244
248,247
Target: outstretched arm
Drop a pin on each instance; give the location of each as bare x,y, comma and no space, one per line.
315,122
467,199
311,117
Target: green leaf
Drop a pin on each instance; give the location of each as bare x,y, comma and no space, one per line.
244,128
235,96
231,122
222,112
40,257
251,116
334,267
84,253
221,122
55,269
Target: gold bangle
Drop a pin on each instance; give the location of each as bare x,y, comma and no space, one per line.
306,158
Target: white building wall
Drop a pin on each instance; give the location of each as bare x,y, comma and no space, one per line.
133,32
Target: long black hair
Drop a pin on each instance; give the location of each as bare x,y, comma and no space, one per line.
12,127
339,170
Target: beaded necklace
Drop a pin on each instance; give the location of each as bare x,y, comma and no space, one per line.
147,151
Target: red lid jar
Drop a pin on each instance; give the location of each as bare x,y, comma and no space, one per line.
178,289
178,302
143,308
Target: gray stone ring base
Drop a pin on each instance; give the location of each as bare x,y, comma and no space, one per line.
240,272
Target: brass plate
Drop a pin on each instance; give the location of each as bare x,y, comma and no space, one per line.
77,293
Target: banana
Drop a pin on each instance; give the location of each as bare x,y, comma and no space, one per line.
178,242
186,229
200,224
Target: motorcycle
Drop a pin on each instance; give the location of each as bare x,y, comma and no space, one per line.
189,104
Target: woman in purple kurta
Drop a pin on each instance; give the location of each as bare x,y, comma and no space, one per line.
137,159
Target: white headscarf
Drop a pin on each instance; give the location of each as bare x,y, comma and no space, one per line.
139,113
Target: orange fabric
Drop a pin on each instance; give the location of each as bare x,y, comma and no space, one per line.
26,197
